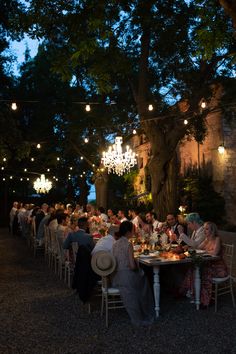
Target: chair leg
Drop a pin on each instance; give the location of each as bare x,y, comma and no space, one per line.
106,304
102,305
216,296
232,292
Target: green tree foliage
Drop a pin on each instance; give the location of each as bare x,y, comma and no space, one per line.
136,52
193,191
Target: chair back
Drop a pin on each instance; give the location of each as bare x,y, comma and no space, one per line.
33,227
228,252
74,247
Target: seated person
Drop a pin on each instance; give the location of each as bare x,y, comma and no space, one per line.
106,242
80,236
172,226
133,285
216,269
195,224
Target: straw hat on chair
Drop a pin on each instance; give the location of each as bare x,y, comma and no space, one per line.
103,263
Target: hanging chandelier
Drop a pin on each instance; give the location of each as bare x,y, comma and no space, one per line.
118,161
42,184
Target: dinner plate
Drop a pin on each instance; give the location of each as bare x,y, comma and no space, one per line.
147,256
200,251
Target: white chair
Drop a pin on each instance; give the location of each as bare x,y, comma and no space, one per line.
222,286
33,240
70,265
103,263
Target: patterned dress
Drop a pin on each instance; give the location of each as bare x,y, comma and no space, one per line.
133,285
212,269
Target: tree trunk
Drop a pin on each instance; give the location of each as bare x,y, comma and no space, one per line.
163,169
101,187
165,201
230,9
84,191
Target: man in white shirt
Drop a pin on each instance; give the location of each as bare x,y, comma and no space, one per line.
121,216
106,243
102,215
134,218
151,219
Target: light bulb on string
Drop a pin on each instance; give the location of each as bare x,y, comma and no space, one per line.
11,177
58,158
2,168
86,140
87,108
221,149
4,179
14,106
81,158
38,146
150,107
21,179
32,159
203,104
25,169
185,121
48,170
134,131
4,159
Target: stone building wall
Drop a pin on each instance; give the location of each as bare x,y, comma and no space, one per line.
222,167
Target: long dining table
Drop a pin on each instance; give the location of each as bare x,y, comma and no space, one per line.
156,262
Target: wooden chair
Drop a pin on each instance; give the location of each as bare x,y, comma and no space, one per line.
110,296
222,286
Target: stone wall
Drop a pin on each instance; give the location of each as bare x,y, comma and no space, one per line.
222,167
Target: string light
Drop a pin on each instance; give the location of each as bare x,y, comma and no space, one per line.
134,131
14,106
86,140
4,159
150,107
48,170
87,108
38,146
185,121
25,169
81,158
221,149
58,158
203,103
2,168
32,159
71,168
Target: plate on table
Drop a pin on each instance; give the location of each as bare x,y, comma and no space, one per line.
147,256
200,251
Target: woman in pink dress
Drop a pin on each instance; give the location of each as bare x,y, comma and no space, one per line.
212,269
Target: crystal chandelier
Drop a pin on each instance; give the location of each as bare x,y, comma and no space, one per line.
118,161
42,184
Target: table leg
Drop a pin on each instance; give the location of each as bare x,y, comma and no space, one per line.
197,285
156,289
